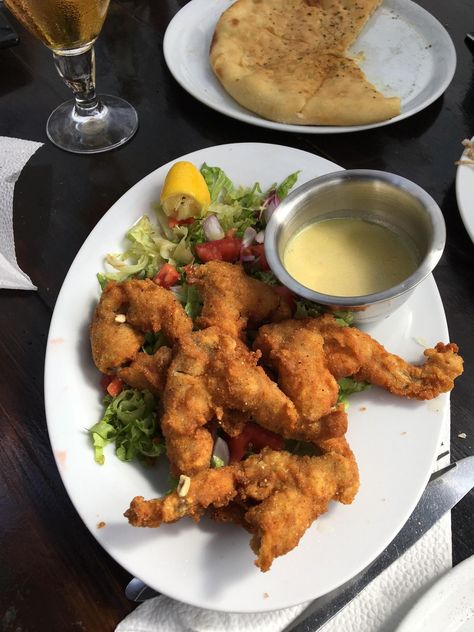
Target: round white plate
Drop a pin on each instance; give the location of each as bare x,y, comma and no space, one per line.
448,606
406,53
211,565
465,196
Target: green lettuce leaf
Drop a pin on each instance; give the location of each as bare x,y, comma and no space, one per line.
219,184
216,462
129,421
308,309
288,183
188,296
347,386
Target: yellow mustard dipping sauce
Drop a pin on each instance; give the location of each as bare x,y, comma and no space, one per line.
348,257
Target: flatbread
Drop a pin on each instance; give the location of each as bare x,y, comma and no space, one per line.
286,60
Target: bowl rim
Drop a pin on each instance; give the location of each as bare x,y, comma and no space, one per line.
425,267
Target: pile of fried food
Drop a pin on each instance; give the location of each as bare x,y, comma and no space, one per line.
286,383
287,61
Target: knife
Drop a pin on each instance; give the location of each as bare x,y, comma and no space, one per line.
443,492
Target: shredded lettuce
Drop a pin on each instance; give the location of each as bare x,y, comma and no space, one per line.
347,386
150,245
220,186
216,461
189,297
288,183
147,250
153,341
266,276
344,318
308,309
131,423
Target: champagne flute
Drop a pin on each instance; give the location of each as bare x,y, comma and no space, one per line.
86,124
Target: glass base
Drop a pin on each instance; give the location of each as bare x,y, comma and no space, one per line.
109,125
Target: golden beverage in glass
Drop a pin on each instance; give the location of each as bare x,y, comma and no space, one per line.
61,24
88,124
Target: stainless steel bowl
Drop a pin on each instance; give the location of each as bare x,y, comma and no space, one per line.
381,197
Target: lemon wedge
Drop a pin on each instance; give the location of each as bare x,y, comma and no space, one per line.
184,192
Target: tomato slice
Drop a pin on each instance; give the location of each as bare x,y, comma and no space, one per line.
172,221
227,249
167,276
257,251
255,438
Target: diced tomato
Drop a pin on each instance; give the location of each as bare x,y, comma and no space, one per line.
257,251
231,232
167,276
255,438
189,268
227,249
115,387
172,221
287,295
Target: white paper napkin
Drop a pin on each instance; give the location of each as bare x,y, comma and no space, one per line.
14,154
378,608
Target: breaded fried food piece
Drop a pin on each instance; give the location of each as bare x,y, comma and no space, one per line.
233,422
267,492
295,350
142,306
350,351
337,445
216,487
291,490
213,372
235,511
148,371
231,298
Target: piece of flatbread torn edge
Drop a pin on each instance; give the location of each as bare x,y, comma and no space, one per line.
286,61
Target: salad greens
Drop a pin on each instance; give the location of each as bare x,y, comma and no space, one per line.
347,386
129,421
150,245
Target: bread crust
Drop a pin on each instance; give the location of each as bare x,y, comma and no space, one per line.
286,60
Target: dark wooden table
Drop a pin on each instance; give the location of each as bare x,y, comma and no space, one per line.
53,574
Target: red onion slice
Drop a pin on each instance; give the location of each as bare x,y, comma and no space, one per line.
248,237
270,205
212,228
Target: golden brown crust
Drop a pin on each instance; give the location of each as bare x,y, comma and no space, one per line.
353,352
286,61
266,493
128,310
231,298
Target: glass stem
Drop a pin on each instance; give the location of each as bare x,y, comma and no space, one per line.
78,73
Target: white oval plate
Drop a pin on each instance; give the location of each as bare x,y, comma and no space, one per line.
211,565
407,53
448,606
465,196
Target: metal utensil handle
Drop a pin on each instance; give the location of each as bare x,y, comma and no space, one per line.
441,494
